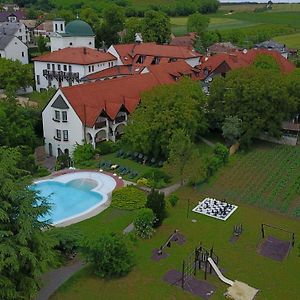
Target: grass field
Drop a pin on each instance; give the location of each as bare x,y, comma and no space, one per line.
251,7
275,280
291,40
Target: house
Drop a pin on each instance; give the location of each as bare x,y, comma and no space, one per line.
220,64
14,16
17,29
10,7
145,54
184,41
218,48
13,48
44,29
65,67
30,26
272,45
98,111
76,33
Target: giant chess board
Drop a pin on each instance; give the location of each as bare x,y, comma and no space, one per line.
215,208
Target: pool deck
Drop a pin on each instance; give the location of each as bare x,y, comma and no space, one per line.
96,211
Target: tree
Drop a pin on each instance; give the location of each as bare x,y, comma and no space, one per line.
109,255
41,44
132,26
26,249
181,149
155,27
164,110
113,22
143,223
83,153
197,23
232,129
268,62
14,75
156,201
259,97
90,16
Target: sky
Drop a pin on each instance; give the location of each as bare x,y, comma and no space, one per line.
261,1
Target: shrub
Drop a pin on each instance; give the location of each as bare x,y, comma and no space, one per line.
83,152
143,182
156,201
106,147
222,152
68,240
173,199
213,164
156,178
62,162
143,223
42,171
109,255
129,197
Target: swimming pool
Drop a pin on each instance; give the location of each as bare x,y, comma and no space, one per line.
75,196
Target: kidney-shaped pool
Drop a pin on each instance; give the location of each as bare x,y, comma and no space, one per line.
74,195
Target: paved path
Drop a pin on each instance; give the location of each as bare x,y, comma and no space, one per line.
207,142
55,278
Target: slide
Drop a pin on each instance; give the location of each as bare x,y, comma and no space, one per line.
217,270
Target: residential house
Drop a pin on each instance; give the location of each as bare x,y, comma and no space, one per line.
17,29
65,67
272,45
13,48
98,111
12,16
76,33
44,29
218,48
184,41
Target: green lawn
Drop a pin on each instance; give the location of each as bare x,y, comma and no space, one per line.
275,280
291,40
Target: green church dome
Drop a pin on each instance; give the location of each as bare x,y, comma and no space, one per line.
79,28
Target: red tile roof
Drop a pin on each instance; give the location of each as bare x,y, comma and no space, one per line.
109,96
241,59
128,52
186,40
78,56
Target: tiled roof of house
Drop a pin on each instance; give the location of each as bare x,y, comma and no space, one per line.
222,48
20,15
109,96
46,26
185,41
241,59
9,28
78,56
128,52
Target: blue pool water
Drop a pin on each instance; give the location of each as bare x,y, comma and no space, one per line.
68,199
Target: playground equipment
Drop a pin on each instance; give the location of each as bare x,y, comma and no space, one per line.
237,230
172,238
292,234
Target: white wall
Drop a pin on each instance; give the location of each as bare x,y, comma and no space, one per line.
16,50
193,61
73,125
58,42
114,52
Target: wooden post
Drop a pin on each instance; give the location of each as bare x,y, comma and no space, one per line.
293,239
262,231
182,281
188,209
205,269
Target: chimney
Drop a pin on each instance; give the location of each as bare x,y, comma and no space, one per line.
84,51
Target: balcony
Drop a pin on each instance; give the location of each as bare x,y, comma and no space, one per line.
99,125
60,75
119,119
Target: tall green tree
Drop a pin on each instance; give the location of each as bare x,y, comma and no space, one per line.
132,26
197,23
180,151
41,44
156,201
164,110
26,249
156,27
232,129
257,96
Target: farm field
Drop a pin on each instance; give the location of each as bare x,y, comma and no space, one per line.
268,177
251,7
291,40
239,260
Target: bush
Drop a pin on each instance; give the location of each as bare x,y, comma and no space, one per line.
156,178
173,199
156,201
62,162
110,255
106,147
143,182
222,152
42,171
143,223
128,197
68,240
83,153
213,164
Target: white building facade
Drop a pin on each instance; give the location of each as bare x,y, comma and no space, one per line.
75,34
13,48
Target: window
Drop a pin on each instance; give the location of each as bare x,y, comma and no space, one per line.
71,44
64,116
65,135
38,79
70,68
93,69
61,27
89,69
56,27
23,54
90,43
20,30
48,66
58,134
57,115
65,68
58,67
53,67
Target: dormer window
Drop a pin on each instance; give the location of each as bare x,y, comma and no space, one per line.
141,59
